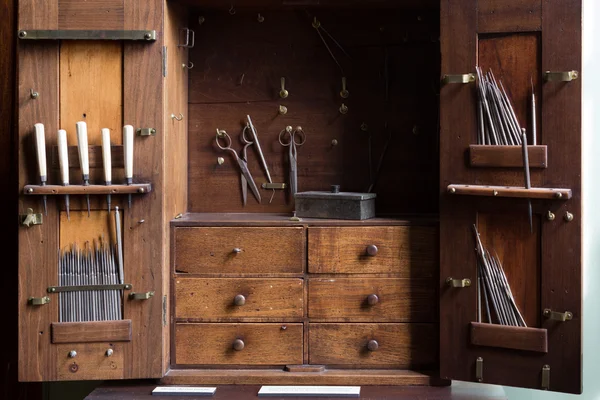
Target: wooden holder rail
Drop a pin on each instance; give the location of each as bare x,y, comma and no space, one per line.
509,337
93,331
511,191
507,156
136,188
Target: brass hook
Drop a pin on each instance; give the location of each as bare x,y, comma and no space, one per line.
189,65
34,95
178,118
283,93
260,18
231,10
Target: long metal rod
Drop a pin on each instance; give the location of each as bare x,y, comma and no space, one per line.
527,178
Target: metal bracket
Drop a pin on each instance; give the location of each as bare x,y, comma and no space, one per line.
190,40
38,301
59,289
31,219
164,61
479,369
458,283
59,34
146,131
561,76
279,186
140,296
458,78
546,377
558,316
164,310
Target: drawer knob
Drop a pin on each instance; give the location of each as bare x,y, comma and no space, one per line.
372,345
372,250
372,299
238,345
237,250
239,300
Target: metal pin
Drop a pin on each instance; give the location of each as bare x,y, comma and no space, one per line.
527,177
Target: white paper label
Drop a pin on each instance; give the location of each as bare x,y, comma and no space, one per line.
184,390
339,391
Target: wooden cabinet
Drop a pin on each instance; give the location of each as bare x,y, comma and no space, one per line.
220,291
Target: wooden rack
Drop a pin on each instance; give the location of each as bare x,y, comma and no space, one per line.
136,188
510,191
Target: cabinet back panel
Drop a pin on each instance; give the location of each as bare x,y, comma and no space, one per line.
238,63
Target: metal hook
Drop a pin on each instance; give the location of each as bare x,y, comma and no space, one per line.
260,18
33,94
178,118
231,10
189,65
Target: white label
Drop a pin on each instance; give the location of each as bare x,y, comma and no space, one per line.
338,391
184,390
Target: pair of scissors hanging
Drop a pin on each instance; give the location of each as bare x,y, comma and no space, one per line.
246,176
292,138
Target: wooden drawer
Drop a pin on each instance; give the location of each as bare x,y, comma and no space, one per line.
240,250
391,345
410,251
217,298
213,344
374,299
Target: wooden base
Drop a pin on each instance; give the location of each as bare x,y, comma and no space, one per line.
281,377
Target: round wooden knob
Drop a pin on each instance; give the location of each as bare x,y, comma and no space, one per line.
239,300
238,344
372,250
372,299
372,345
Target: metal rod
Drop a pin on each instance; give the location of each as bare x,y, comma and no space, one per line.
533,116
527,178
260,153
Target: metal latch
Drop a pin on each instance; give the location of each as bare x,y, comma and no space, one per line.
30,218
558,316
146,131
140,296
458,283
38,301
458,78
561,76
278,186
190,40
546,377
479,369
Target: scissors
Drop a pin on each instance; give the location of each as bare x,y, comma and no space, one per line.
246,177
293,139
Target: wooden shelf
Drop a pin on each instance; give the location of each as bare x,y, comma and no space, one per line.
511,191
507,156
509,337
136,188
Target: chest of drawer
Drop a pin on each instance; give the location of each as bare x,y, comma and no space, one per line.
409,251
252,344
243,250
373,345
372,299
219,298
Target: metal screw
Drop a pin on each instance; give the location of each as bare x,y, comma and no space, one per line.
364,127
153,131
568,217
52,290
343,109
30,190
415,130
141,221
109,352
72,354
558,195
220,160
260,18
141,190
178,216
22,34
550,216
344,93
34,95
283,110
201,20
334,142
148,36
452,190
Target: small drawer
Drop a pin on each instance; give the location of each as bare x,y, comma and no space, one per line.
410,251
218,298
239,250
251,344
374,345
373,299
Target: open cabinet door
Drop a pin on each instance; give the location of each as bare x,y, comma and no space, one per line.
519,41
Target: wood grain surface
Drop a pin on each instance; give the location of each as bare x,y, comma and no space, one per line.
93,331
509,337
509,16
409,252
265,344
263,250
213,299
345,299
507,156
91,14
400,345
91,362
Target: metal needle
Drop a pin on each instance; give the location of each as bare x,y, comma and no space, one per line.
527,176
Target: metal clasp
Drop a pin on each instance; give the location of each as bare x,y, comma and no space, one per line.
560,76
140,296
146,131
190,40
479,369
546,377
38,301
458,78
458,283
558,316
30,218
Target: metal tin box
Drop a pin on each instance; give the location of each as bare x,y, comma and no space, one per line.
335,205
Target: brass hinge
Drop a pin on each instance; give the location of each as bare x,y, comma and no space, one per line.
561,76
479,369
546,377
146,131
38,301
458,283
558,316
458,78
140,296
30,218
164,310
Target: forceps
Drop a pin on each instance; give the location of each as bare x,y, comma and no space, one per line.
241,162
293,139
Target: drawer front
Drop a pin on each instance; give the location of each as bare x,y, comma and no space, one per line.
374,345
251,344
240,250
218,298
410,251
374,299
